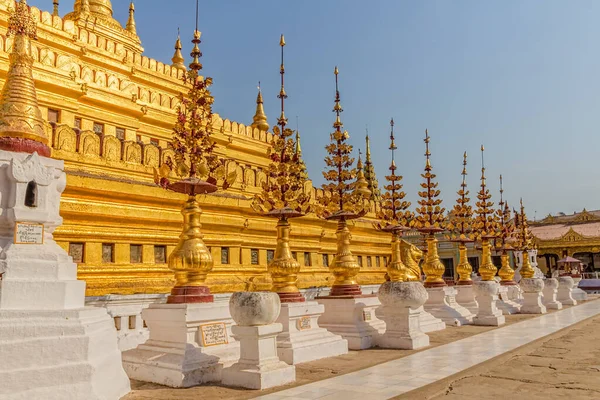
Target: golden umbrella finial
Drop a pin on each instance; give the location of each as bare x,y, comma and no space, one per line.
282,121
195,65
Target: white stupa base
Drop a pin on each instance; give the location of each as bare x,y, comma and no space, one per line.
466,298
532,296
442,304
486,293
403,330
258,367
549,294
515,293
428,322
302,339
565,296
579,295
353,319
178,353
60,354
504,302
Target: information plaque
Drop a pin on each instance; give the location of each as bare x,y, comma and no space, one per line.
214,334
29,233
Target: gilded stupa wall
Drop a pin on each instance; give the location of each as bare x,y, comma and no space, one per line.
112,111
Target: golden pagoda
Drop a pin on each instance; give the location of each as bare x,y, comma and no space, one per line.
524,242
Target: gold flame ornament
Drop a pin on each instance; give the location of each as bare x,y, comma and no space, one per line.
430,219
283,196
506,236
524,242
460,226
340,201
395,216
486,227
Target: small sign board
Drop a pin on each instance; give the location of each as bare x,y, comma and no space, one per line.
366,315
303,324
214,334
29,233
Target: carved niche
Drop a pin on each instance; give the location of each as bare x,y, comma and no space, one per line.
132,152
261,178
111,148
167,154
250,177
65,139
151,155
89,143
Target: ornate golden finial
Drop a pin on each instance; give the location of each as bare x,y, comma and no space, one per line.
341,203
284,198
178,60
460,227
131,21
370,171
486,226
429,220
524,242
260,119
55,9
506,233
21,121
395,218
195,65
84,7
282,121
361,186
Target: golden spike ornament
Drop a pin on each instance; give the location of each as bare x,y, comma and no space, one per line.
396,218
340,202
370,172
507,230
260,119
460,227
22,127
131,21
486,227
430,219
283,196
178,60
195,169
361,187
524,242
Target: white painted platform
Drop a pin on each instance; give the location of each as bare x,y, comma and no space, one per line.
393,378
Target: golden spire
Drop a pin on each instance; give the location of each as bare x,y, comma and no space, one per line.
282,121
21,121
361,186
178,60
260,119
370,171
55,10
131,21
85,6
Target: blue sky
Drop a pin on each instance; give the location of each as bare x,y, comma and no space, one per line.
520,77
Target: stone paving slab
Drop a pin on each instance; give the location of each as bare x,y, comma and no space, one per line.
400,376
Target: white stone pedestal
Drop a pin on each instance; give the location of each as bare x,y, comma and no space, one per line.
353,319
577,293
51,346
189,344
565,291
399,309
302,339
258,367
465,296
532,296
504,302
442,304
428,322
550,292
486,293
